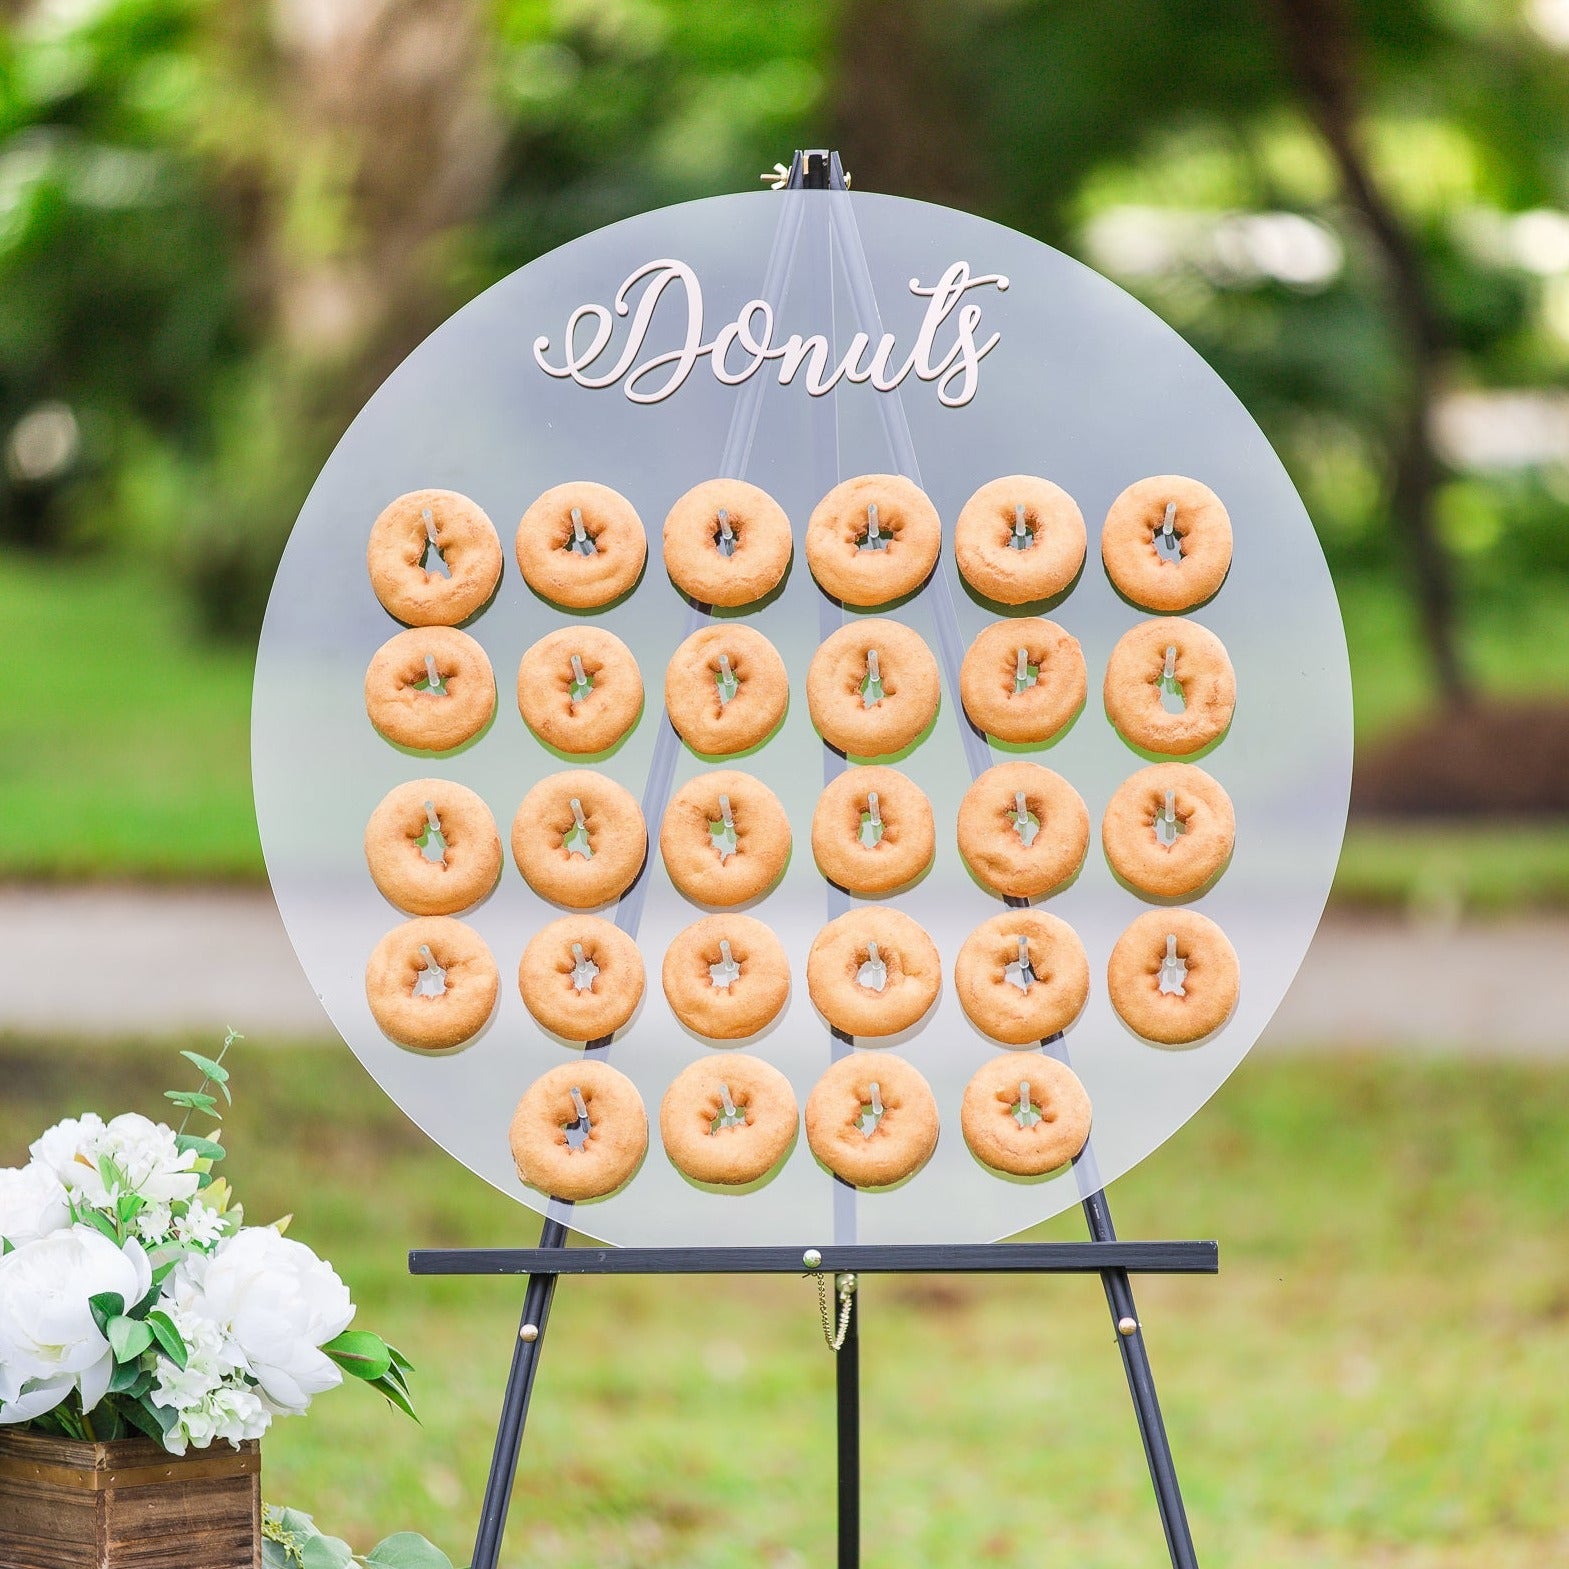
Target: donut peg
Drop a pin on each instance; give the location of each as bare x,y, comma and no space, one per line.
584,970
1025,1113
730,1115
1025,824
726,681
872,1113
581,685
577,1132
874,538
1168,546
1025,675
432,685
576,840
432,844
432,562
432,979
1173,970
1167,824
872,822
1018,972
1171,696
581,542
1020,538
723,832
724,543
726,971
873,974
872,686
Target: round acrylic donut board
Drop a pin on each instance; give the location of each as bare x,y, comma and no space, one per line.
1082,386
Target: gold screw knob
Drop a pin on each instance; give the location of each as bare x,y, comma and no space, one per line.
1127,1326
529,1332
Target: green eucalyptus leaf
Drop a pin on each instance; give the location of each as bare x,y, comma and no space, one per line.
210,1069
276,1556
193,1100
325,1552
407,1550
206,1149
129,1338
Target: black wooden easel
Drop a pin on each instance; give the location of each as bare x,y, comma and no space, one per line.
1103,1255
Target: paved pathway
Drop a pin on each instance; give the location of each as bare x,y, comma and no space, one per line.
113,962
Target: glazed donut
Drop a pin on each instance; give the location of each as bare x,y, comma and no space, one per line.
718,659
1029,861
1169,830
726,976
701,1134
985,540
579,864
584,562
1023,680
840,537
1136,691
466,545
696,836
872,831
1025,1115
432,847
1022,1003
409,710
1173,977
586,714
841,694
1160,568
727,543
851,955
581,977
431,983
578,1168
856,1142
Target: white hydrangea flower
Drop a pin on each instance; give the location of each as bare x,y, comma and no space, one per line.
228,1412
32,1203
200,1226
279,1304
153,1224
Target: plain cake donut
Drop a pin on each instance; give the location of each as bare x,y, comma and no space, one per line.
727,543
579,863
579,1167
730,1144
1174,714
1173,977
432,847
1030,856
431,983
726,976
1023,681
872,688
581,977
579,689
1169,830
715,860
430,689
725,689
466,545
873,972
987,540
862,557
1025,1115
1022,976
586,561
872,830
857,1142
1166,543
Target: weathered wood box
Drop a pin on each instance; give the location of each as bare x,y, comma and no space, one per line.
127,1505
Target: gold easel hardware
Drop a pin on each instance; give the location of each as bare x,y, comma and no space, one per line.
845,1286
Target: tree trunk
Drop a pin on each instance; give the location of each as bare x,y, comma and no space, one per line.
1320,49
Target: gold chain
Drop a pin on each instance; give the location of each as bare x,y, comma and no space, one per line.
846,1289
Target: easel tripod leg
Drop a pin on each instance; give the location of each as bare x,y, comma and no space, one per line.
514,1406
1141,1385
848,1384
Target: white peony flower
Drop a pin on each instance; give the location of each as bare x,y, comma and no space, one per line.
32,1203
227,1411
46,1325
63,1148
278,1303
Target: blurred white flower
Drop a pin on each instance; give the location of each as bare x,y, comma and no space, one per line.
278,1303
46,1324
143,1150
199,1226
32,1203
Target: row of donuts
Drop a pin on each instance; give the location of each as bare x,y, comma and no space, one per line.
434,557
1021,977
872,687
580,1131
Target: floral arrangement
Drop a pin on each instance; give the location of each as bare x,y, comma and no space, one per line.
134,1299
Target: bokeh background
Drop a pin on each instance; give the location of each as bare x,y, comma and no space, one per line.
222,224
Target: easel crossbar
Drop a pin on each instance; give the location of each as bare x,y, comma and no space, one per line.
1032,1258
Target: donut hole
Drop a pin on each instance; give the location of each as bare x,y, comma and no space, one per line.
431,560
878,532
434,680
869,1118
430,841
1167,683
1020,528
577,537
430,976
1166,538
727,532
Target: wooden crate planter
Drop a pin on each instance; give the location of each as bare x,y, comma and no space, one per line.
127,1505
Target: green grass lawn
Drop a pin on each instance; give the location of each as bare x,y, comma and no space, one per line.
1376,1377
138,765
